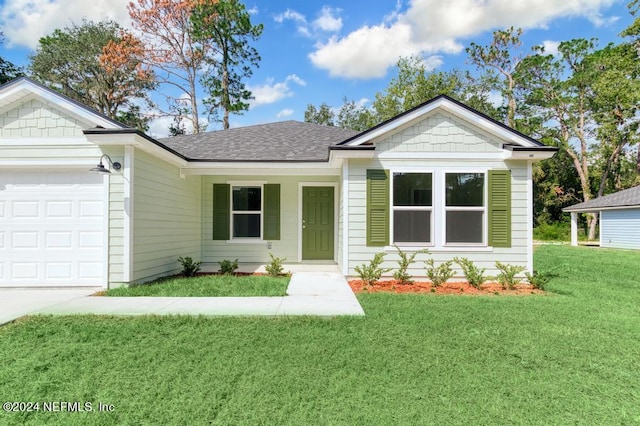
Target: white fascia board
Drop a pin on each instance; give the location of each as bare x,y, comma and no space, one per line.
351,153
137,141
50,163
467,156
528,155
456,110
259,169
40,141
600,209
14,93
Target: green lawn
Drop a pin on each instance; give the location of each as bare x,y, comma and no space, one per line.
208,286
570,357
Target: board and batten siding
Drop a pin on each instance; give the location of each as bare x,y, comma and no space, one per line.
442,134
620,228
166,217
257,252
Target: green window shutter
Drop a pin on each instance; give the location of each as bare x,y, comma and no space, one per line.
500,208
221,210
377,207
271,219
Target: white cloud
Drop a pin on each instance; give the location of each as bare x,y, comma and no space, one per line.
550,47
253,11
430,27
24,22
291,15
285,113
272,92
328,21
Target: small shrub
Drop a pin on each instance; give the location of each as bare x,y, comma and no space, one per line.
372,272
440,274
274,268
228,267
473,274
507,275
539,280
401,275
189,267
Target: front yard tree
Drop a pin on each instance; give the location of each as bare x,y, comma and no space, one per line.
501,57
227,24
73,61
171,49
414,84
8,71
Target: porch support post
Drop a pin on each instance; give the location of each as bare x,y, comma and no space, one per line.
574,228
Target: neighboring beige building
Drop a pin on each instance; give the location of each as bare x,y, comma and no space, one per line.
440,176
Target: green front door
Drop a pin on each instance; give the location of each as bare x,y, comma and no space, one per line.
317,223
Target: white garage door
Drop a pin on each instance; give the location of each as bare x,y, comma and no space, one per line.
51,228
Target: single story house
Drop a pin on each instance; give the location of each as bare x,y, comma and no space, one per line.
440,176
619,218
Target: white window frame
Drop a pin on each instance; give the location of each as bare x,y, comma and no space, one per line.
482,209
239,184
394,208
439,209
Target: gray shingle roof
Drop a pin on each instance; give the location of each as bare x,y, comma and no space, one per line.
281,141
625,198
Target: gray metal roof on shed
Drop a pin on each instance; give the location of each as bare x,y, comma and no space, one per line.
625,198
281,141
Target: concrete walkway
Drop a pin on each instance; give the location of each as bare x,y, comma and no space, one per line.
325,294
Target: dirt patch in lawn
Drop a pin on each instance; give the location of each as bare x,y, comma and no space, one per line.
393,286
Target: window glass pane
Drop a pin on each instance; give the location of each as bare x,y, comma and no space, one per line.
246,198
246,225
411,226
465,189
412,189
464,227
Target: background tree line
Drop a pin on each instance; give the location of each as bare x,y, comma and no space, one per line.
178,48
584,100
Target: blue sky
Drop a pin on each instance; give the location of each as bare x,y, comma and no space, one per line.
321,51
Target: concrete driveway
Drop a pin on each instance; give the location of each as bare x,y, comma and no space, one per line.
17,302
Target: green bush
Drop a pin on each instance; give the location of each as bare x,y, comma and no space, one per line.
539,280
473,274
440,274
274,268
228,267
507,275
556,231
372,272
189,267
401,275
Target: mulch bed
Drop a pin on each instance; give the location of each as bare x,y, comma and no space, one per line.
393,286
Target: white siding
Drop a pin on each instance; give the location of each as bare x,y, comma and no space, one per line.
620,228
33,118
439,133
166,217
257,252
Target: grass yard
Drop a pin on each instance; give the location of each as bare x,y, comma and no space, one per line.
570,357
208,286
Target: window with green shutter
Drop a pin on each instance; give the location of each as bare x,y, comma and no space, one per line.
221,211
271,211
245,212
377,207
500,208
